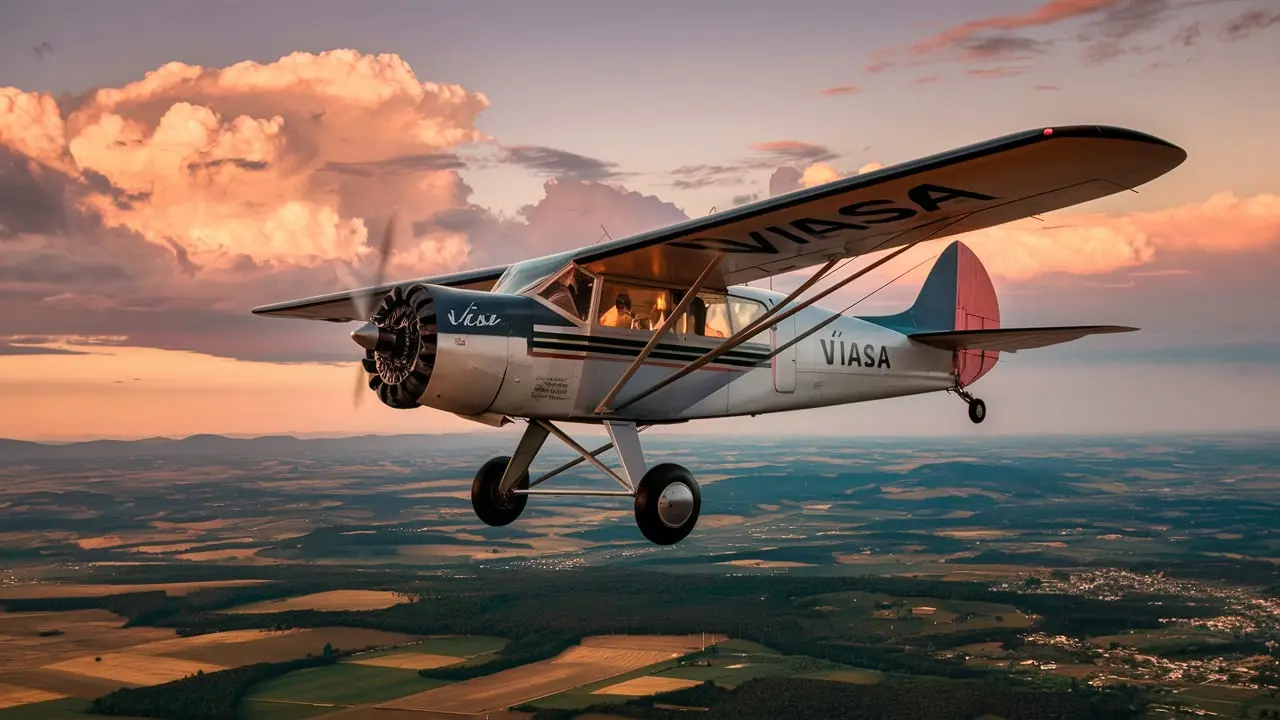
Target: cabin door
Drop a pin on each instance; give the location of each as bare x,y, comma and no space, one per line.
784,363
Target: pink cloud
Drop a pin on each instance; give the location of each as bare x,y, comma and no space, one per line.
840,90
999,72
1049,13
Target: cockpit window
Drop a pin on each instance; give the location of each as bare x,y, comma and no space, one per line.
571,292
530,272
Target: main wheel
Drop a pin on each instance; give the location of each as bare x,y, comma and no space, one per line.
667,504
977,410
493,507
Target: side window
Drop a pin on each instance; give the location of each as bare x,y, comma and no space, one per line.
632,306
744,312
708,316
571,292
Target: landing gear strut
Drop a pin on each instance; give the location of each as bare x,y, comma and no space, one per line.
667,498
977,408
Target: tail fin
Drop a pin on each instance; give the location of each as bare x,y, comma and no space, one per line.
956,296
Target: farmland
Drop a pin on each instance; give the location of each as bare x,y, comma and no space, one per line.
964,576
594,660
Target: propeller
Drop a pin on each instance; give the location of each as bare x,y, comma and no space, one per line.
363,302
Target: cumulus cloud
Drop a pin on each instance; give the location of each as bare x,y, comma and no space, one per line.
165,208
1097,244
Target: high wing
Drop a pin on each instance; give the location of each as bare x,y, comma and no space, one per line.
342,306
973,187
1012,339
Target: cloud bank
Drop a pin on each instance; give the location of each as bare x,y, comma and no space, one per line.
162,210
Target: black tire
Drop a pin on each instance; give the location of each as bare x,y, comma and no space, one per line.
977,411
492,508
652,507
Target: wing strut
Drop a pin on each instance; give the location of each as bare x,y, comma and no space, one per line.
670,320
741,336
734,340
836,316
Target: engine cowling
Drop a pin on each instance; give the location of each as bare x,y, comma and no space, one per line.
446,348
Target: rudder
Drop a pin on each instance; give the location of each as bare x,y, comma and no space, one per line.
957,295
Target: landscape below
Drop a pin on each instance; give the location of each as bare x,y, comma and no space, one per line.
845,578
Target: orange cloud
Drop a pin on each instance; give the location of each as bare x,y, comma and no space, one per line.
1095,243
818,174
254,160
164,209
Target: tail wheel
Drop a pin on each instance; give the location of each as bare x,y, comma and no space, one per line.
668,501
492,506
399,376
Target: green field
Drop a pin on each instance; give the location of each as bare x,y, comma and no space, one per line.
463,646
268,710
343,684
1227,701
66,708
857,615
734,663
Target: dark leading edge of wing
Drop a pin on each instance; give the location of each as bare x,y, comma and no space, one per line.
1012,339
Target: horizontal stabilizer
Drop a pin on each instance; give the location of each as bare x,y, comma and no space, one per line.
1012,339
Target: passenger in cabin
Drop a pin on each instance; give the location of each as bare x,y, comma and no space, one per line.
620,315
659,312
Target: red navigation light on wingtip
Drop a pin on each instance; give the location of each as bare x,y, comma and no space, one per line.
1048,131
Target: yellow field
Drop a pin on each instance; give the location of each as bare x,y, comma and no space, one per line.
643,686
331,600
409,661
286,645
133,668
679,644
84,632
181,644
54,590
12,695
596,659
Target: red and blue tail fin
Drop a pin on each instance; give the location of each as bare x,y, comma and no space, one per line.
957,296
957,310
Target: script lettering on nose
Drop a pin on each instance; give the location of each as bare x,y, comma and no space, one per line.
471,317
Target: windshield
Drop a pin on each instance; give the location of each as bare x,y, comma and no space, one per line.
523,274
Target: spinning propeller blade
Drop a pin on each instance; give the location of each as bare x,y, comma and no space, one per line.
362,302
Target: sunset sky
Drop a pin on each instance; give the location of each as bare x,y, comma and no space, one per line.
165,166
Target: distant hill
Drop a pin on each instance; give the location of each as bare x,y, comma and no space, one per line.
267,446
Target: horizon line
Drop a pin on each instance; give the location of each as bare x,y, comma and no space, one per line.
52,442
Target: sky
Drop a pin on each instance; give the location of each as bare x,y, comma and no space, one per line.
165,166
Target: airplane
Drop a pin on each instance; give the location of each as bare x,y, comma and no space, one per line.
661,327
